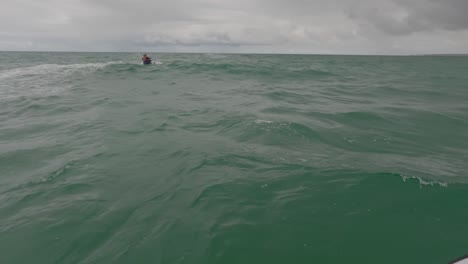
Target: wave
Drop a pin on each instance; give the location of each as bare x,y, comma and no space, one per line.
214,66
50,69
276,71
44,79
253,130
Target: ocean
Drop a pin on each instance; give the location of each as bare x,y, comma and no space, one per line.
225,158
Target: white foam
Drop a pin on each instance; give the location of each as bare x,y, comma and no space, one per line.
44,79
259,121
48,69
424,182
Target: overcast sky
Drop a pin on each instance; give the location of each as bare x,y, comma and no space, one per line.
260,26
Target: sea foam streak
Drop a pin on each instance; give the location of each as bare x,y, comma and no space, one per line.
47,69
44,79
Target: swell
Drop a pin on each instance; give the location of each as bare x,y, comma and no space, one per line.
180,174
305,207
250,70
250,129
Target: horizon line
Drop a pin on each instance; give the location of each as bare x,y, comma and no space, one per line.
245,53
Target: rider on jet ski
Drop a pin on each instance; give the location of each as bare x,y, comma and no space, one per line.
146,59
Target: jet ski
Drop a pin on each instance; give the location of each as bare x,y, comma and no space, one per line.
151,62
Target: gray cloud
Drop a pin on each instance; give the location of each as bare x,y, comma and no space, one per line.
320,26
402,17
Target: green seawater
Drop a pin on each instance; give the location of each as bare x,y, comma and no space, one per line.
212,158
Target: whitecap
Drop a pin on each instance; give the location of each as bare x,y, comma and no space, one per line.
425,182
260,121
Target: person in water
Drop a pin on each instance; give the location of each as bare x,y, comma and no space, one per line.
146,59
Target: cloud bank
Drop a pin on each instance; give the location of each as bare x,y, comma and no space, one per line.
260,26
